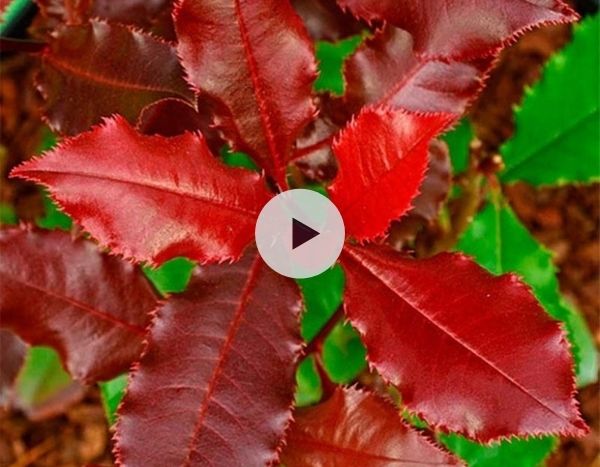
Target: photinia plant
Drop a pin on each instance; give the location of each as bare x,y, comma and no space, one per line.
145,101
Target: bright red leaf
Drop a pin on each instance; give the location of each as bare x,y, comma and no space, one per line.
216,383
152,198
382,155
462,29
463,347
64,293
255,60
386,70
106,69
355,427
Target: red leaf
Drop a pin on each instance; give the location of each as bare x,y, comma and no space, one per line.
92,308
12,350
463,346
382,155
106,69
462,29
151,15
168,197
357,428
255,60
325,20
386,70
216,383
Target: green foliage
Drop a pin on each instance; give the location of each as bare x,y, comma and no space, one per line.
53,218
172,276
237,159
331,56
517,452
308,383
458,141
322,297
42,377
344,355
557,131
8,215
500,243
112,392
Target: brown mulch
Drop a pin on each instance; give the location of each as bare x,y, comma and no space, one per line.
565,219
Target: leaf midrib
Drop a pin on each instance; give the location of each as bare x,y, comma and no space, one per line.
454,337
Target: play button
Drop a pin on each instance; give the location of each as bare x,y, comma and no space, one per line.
300,233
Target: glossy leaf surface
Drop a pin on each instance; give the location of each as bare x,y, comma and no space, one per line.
218,372
500,243
106,69
387,70
557,132
357,428
262,92
184,200
462,28
461,344
382,155
64,293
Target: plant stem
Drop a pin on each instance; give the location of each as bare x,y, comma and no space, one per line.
315,344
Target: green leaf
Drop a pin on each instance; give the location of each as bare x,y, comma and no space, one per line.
517,452
458,140
331,56
43,385
237,159
112,392
53,218
172,276
322,297
344,355
308,383
500,243
7,215
557,130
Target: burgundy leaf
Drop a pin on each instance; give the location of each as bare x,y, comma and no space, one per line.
382,155
152,198
386,70
106,69
357,428
172,117
64,293
463,347
150,15
12,350
462,29
216,383
325,20
255,60
436,185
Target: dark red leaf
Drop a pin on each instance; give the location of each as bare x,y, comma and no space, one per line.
464,347
462,29
255,60
386,70
172,117
357,428
216,383
150,15
152,198
12,352
382,155
64,293
325,20
106,69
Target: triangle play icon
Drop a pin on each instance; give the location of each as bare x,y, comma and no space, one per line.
301,233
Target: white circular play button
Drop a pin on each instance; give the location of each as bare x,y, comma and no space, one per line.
300,233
